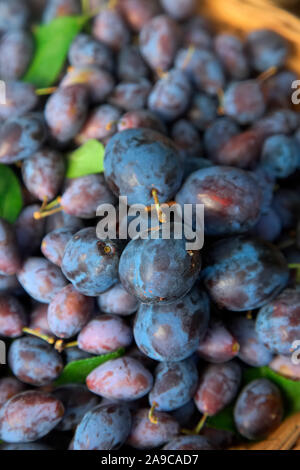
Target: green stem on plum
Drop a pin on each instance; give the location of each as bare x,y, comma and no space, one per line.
220,95
160,214
41,215
249,315
48,209
201,423
45,91
152,418
267,74
197,429
59,344
72,344
296,266
189,55
38,334
85,7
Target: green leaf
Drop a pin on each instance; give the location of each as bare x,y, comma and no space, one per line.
52,41
296,266
77,371
289,388
86,160
223,420
11,201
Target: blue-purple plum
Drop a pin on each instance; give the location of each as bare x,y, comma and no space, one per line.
172,332
244,101
110,28
139,160
29,416
21,98
118,301
41,279
12,316
218,133
159,271
244,273
29,230
280,156
104,334
20,137
230,196
90,264
57,8
278,322
83,195
189,443
16,52
99,83
146,435
259,409
175,384
77,401
66,110
131,95
180,9
10,260
218,387
231,52
68,312
86,51
43,173
54,244
251,350
266,49
159,41
203,68
9,387
170,95
105,427
101,124
123,379
218,345
34,361
203,110
131,65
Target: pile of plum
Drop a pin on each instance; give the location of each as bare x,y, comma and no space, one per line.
186,114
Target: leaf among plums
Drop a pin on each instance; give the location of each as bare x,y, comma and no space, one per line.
86,160
52,43
289,388
77,371
11,201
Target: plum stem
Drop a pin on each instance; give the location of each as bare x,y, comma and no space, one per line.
38,334
48,209
153,419
267,74
220,95
160,215
72,344
46,91
189,55
249,315
59,344
201,423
